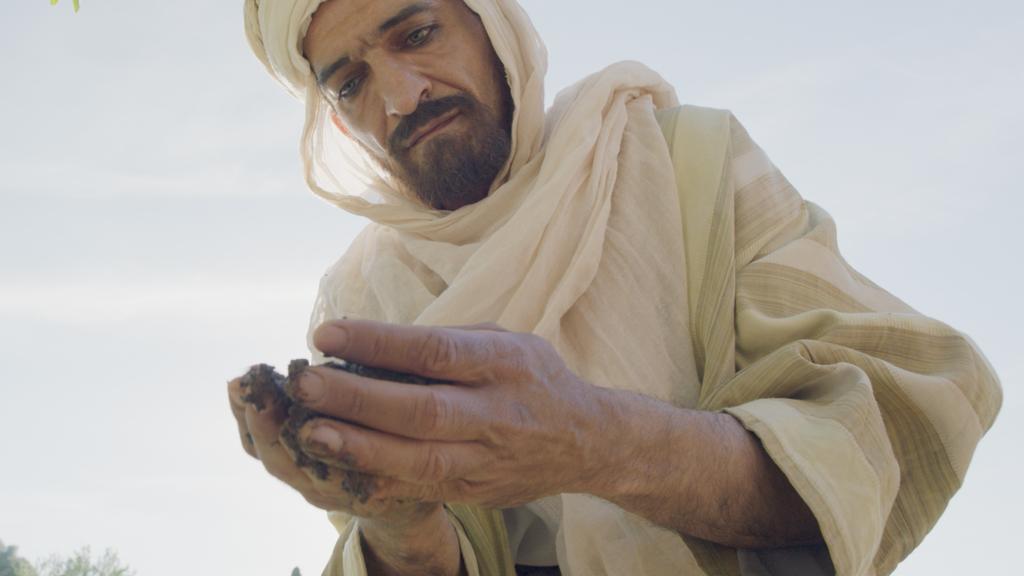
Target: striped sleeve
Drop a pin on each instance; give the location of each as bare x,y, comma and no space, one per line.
870,409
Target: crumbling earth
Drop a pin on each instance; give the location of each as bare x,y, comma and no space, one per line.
263,387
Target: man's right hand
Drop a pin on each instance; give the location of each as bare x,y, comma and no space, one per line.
400,536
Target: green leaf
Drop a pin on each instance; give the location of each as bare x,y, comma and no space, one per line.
54,3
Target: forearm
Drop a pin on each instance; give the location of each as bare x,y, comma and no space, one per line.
701,474
429,547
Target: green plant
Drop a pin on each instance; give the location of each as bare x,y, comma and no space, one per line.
54,3
13,565
82,563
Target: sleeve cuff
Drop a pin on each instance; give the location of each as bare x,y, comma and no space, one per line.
827,468
348,559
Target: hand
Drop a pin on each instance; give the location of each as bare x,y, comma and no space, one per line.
400,536
514,424
260,433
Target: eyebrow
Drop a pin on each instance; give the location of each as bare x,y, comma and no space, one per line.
402,15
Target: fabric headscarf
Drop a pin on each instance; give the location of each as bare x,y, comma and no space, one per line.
579,242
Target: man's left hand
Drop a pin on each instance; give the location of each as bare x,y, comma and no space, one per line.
512,425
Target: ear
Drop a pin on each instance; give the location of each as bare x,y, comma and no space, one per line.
339,123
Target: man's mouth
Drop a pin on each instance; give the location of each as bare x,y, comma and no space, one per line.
432,127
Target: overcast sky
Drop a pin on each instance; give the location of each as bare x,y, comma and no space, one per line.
156,239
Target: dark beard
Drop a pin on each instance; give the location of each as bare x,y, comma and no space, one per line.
454,171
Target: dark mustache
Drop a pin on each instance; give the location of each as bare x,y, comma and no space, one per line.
424,114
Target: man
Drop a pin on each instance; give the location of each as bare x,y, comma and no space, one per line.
663,365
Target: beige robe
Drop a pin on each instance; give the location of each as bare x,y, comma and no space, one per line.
870,409
743,304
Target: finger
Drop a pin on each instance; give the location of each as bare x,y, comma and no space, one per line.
482,327
350,447
369,495
238,411
435,352
439,412
265,430
324,491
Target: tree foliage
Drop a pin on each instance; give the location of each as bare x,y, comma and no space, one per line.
81,563
75,3
13,565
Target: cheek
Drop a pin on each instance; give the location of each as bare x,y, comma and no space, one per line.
489,76
369,133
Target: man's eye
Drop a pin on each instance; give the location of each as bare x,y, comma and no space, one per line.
349,89
419,36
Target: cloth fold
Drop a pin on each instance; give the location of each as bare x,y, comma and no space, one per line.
870,409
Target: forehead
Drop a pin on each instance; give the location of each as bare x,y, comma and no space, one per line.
343,25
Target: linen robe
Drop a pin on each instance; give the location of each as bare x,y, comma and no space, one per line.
870,409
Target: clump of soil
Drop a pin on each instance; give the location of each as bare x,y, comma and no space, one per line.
262,386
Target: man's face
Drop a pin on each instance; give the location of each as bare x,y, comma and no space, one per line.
418,85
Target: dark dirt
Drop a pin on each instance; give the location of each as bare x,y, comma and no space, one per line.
262,387
359,485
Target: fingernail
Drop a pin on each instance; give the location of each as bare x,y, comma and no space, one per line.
326,437
311,387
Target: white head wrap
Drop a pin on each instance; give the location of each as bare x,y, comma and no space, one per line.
579,242
335,168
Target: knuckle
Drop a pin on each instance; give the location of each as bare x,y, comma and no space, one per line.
438,353
377,346
431,414
436,465
352,402
514,354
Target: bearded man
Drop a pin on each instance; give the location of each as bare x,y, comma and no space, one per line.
664,366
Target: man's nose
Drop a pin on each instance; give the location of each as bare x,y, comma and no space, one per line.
403,88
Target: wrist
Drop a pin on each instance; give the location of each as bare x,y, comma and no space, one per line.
424,543
633,433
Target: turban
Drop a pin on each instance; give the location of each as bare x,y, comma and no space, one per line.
276,29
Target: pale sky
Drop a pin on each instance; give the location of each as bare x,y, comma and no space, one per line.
156,238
